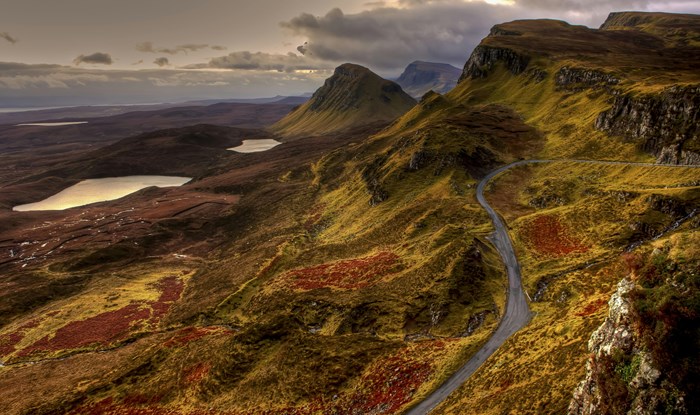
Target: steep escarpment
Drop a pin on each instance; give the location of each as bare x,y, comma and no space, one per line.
484,58
620,90
667,124
354,96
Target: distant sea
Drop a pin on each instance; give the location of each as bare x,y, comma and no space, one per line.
3,110
24,109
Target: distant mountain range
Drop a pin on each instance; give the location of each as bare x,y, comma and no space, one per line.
420,77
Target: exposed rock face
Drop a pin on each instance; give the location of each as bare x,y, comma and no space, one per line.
666,124
579,78
420,77
484,58
614,338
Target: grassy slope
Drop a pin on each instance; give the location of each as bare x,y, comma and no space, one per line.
595,206
278,346
256,329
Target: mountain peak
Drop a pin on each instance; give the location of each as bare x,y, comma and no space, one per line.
353,96
420,77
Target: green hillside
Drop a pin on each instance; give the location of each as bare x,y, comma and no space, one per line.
342,273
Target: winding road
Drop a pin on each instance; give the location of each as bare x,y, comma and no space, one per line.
517,313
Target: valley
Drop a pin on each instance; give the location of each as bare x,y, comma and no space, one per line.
362,252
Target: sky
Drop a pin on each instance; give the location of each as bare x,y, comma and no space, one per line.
70,52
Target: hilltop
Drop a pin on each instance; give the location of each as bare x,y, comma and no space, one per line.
353,96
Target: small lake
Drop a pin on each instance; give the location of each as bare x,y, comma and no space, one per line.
100,190
255,146
50,124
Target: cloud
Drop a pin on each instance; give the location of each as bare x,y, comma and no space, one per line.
43,85
303,49
578,5
245,60
389,38
53,80
8,37
97,58
163,61
391,34
148,47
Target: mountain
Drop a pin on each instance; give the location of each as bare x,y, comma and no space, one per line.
356,273
353,96
420,77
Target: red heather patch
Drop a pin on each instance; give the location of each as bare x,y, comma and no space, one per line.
393,382
592,308
111,326
190,334
170,288
349,274
101,329
196,373
10,340
550,238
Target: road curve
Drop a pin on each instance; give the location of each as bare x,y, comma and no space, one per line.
517,314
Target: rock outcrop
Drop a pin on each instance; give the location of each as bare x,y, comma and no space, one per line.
665,124
618,359
484,58
577,79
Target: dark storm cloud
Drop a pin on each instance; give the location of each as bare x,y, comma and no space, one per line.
97,58
389,38
163,61
189,47
262,61
8,37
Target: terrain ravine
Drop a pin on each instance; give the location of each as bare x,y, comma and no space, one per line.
517,314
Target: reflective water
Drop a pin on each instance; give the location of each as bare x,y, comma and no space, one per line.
51,124
100,190
255,146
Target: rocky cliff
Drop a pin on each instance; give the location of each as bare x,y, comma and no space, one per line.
644,356
638,74
617,360
666,124
484,58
